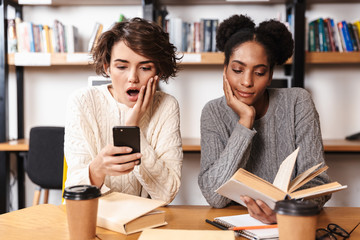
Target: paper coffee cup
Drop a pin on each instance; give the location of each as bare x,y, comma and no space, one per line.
297,220
81,209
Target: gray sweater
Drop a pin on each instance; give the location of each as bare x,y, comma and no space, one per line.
291,121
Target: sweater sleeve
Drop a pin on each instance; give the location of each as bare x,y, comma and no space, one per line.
160,170
79,142
308,137
223,152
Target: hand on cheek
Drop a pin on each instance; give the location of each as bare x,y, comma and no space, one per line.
245,112
144,100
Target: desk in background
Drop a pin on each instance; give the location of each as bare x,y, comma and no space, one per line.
15,147
48,221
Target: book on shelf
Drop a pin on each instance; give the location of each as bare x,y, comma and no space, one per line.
329,35
335,35
128,214
311,37
207,38
26,36
11,36
174,27
244,183
97,30
180,234
356,35
72,39
46,36
246,220
343,28
353,36
214,25
196,37
322,36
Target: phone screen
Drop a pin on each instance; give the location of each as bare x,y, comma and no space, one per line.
127,136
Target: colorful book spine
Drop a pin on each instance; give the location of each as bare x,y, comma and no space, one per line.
335,34
330,35
214,25
322,37
352,37
346,36
311,37
357,36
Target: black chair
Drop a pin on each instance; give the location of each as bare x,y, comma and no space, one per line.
44,162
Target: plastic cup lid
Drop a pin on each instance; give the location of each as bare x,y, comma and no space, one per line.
297,208
81,192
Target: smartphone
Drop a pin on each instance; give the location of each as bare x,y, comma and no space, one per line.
128,136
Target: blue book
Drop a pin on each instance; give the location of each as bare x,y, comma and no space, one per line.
346,35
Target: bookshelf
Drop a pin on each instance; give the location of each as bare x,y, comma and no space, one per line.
332,57
212,58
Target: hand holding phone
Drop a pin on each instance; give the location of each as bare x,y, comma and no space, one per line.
128,136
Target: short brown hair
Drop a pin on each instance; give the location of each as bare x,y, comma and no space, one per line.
143,37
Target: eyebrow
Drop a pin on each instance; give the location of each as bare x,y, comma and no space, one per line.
244,64
126,61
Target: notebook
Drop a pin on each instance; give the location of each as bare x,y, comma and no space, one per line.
247,220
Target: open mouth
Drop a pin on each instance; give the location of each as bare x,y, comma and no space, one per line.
132,92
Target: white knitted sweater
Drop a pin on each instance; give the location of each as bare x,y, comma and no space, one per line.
91,114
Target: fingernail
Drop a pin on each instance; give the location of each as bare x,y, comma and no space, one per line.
137,162
128,149
138,155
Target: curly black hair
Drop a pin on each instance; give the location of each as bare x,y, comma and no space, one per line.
144,37
272,35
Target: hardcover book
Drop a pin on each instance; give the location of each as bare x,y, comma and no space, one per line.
244,183
128,214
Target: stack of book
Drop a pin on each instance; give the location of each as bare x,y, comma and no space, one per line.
326,35
192,37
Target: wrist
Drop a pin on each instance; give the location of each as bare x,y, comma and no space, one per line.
95,175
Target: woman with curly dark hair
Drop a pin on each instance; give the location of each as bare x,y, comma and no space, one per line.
135,54
253,127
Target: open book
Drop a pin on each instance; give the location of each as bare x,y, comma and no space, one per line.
244,183
128,214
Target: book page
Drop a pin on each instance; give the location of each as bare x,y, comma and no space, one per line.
305,177
175,234
283,175
246,220
318,190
